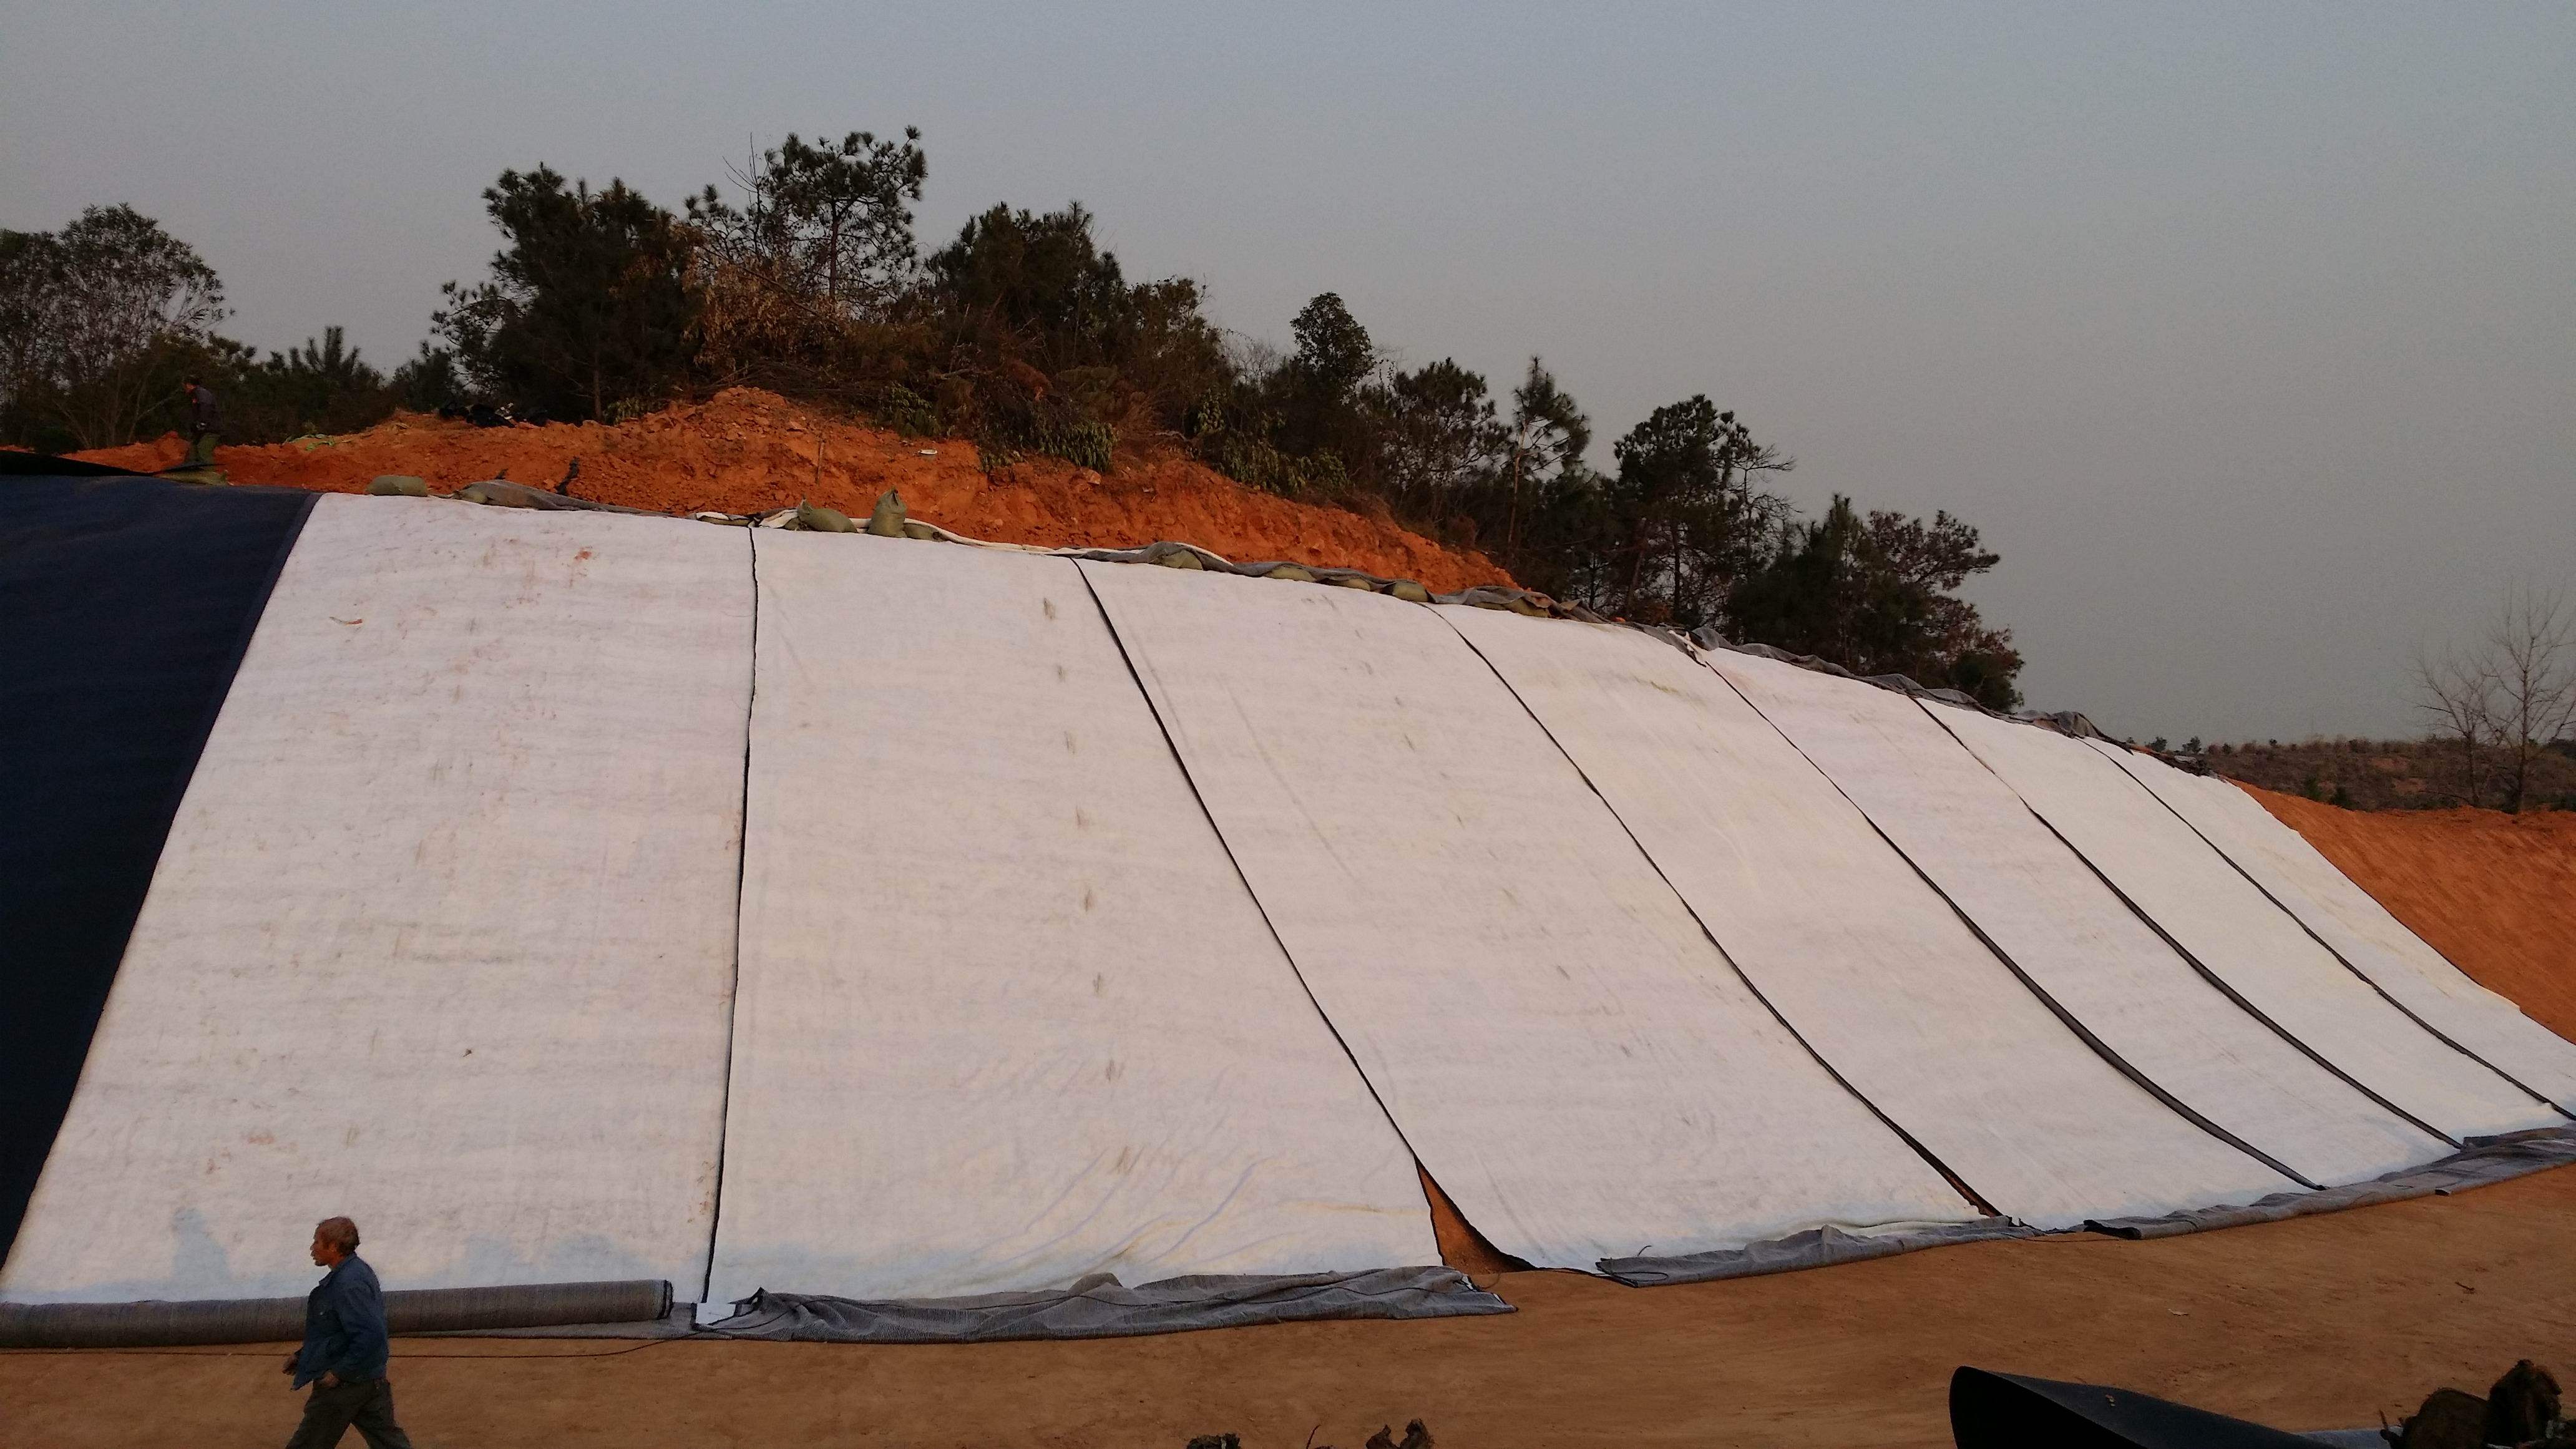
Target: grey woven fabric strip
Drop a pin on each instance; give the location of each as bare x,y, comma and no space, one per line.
2486,1160
1109,1310
1814,1248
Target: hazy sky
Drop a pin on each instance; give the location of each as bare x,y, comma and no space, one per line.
2247,333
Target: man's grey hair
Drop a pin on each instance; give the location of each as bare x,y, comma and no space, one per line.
338,1232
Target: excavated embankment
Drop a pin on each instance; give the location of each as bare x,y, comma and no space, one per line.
748,451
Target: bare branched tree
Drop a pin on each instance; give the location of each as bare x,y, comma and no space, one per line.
2458,697
2530,654
2508,699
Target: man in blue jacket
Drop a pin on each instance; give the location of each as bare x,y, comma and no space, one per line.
344,1350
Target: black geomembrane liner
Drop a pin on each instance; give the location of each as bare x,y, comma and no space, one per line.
125,606
2010,1411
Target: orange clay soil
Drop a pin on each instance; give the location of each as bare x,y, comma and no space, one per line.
748,451
2320,1322
2494,892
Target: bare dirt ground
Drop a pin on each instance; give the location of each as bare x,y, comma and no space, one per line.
747,451
2314,1323
2494,892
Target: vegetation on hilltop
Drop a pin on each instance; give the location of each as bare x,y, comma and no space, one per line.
1023,334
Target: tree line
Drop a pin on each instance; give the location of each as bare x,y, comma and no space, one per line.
1023,334
99,323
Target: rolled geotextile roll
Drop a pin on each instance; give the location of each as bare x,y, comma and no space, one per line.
281,1320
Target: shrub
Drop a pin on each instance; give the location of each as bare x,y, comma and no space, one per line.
908,412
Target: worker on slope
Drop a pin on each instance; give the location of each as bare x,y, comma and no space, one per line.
344,1350
204,417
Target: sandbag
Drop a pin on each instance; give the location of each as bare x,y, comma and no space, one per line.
886,521
814,518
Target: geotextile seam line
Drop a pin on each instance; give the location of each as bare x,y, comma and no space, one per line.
741,875
1180,763
2278,904
2206,974
2082,1032
1965,1189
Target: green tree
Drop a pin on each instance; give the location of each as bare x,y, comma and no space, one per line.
821,245
1549,435
321,387
1443,445
1686,515
831,219
1045,344
1317,406
1334,353
97,323
1033,286
430,381
590,306
1878,595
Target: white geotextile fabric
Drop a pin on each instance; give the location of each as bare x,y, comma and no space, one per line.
1007,1015
1569,1056
2253,946
2069,933
442,936
2361,930
1839,934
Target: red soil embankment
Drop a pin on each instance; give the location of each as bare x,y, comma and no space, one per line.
2494,892
747,451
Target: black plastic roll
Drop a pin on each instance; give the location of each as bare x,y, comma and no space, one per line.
158,1323
2013,1411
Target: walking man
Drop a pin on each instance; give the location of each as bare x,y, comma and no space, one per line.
204,418
344,1350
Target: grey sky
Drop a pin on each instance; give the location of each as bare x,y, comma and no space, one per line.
2246,333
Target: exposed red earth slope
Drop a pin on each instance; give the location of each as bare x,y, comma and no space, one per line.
747,451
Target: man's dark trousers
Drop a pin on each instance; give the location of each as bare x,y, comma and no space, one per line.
344,1342
329,1413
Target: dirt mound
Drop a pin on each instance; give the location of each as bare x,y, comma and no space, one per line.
747,451
2494,892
